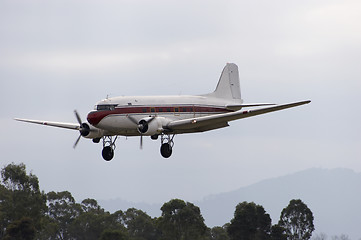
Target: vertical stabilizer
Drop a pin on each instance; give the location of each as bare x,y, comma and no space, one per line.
228,86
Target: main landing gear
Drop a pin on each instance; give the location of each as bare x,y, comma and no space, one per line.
109,145
166,145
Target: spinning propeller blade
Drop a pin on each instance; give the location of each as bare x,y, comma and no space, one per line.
77,141
78,117
82,128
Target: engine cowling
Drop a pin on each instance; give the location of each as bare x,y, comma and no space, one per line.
151,125
88,131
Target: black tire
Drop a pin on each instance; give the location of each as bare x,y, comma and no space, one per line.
166,150
154,137
108,153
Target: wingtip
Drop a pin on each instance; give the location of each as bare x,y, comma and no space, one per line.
304,102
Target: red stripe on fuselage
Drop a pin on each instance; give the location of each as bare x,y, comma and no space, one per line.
95,117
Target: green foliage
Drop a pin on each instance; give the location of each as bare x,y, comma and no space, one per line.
62,212
278,233
91,222
181,221
218,233
297,220
250,222
20,198
113,235
22,229
14,178
140,226
28,213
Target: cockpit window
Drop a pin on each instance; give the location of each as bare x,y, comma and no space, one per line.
105,107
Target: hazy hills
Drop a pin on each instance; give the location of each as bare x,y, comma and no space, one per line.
334,197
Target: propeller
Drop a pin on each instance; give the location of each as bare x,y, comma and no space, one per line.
76,142
83,128
142,127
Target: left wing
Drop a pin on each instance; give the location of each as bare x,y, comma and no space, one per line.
223,118
236,107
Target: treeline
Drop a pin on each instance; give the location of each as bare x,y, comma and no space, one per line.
28,213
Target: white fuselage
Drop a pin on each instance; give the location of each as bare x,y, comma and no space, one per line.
117,115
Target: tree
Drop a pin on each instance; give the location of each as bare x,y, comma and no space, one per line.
297,220
20,199
140,226
250,222
181,221
21,229
218,233
62,211
5,197
116,221
91,222
278,233
113,235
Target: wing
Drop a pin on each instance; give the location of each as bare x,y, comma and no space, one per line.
221,120
236,107
73,126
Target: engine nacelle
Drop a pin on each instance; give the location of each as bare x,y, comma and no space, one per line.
90,131
151,125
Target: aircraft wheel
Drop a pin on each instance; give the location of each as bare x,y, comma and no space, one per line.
166,150
108,153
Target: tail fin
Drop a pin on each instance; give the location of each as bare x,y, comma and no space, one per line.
228,86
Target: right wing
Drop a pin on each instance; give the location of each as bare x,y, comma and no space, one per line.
73,126
222,119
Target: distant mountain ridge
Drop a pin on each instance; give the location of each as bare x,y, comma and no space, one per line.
334,197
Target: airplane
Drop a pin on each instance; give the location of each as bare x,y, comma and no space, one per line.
165,116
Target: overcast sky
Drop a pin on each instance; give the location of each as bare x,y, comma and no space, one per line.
57,56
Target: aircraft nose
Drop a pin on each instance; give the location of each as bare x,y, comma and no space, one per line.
94,118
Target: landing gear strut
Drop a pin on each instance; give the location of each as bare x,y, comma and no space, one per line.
166,145
108,147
